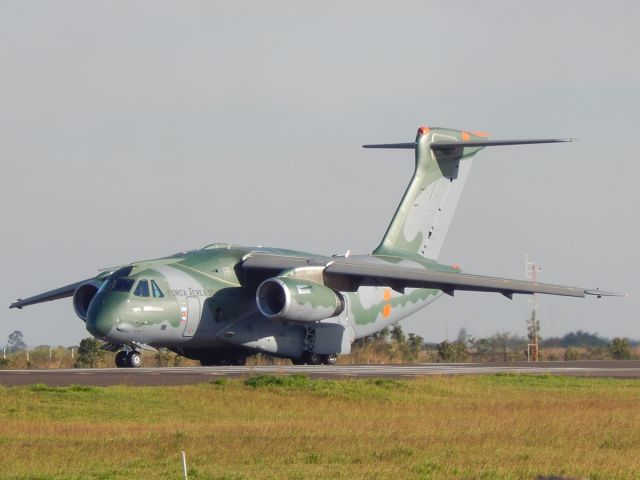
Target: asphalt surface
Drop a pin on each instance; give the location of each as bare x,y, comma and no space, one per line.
189,375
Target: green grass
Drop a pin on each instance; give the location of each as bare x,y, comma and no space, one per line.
501,426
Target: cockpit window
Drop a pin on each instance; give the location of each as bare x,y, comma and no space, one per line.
122,285
155,290
142,290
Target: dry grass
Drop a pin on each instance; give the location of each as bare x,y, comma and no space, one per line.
282,427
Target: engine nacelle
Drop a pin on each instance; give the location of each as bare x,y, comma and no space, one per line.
296,299
82,298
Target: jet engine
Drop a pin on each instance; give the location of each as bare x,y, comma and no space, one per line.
82,298
296,299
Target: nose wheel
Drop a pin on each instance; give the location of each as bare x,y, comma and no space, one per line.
129,359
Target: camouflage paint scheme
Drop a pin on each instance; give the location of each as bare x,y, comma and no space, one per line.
208,307
208,277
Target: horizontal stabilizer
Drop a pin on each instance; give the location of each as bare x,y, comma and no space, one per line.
411,145
471,143
497,143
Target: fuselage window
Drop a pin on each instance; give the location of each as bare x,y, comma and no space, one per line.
122,285
155,290
142,290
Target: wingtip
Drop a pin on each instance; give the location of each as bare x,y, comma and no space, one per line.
16,304
602,293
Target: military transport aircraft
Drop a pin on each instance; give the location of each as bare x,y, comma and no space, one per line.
224,302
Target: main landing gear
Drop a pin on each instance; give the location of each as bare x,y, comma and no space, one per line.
310,358
130,359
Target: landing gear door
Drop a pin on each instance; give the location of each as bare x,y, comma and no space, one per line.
334,336
193,316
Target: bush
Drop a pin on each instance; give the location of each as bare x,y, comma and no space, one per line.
452,352
570,354
619,349
89,353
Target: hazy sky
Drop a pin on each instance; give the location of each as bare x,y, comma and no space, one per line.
132,130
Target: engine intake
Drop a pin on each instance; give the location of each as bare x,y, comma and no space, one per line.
298,300
82,298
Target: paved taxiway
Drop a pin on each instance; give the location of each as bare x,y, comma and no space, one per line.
187,375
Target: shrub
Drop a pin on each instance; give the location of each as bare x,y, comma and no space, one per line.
570,354
619,349
89,353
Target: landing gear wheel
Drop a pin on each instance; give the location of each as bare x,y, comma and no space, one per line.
134,360
330,359
121,359
312,358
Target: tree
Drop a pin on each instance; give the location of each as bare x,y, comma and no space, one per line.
414,345
463,336
451,352
619,349
16,342
89,353
397,335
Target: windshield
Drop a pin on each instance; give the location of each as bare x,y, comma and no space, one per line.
122,285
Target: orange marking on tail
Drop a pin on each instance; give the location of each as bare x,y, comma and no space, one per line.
387,294
481,134
386,310
424,130
465,136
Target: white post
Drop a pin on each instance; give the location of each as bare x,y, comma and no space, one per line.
50,351
71,353
4,352
184,465
27,349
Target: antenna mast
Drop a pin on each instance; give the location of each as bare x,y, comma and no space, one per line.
531,269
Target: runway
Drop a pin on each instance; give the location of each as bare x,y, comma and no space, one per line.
190,375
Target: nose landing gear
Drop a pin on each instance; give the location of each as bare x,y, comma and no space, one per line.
128,359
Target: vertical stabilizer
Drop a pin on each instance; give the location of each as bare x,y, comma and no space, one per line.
422,219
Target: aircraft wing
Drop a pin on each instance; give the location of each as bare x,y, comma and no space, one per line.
62,292
352,272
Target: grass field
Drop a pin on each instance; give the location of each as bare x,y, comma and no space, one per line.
503,426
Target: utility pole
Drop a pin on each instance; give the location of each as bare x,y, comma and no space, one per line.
531,269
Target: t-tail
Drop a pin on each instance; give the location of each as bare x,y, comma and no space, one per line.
443,160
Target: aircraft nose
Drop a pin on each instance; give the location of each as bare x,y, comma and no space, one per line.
101,318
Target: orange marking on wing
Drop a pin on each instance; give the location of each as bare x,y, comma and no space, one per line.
465,136
481,134
424,130
387,294
386,310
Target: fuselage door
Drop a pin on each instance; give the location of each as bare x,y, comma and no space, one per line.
193,316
